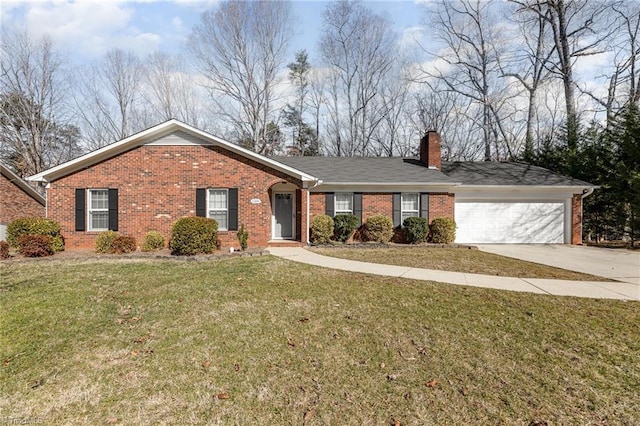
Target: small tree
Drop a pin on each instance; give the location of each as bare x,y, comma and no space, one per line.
243,237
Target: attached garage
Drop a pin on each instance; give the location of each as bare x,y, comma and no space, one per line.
514,222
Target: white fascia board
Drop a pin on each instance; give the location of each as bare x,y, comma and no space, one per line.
146,136
516,192
383,187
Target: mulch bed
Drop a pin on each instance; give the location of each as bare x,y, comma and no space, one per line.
138,255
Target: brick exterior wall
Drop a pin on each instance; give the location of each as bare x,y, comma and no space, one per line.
15,203
381,203
157,185
576,219
441,205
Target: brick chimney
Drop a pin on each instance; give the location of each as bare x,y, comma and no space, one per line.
430,154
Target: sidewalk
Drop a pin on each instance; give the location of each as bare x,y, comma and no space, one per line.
589,289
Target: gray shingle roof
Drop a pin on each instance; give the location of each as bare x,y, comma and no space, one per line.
399,170
505,173
386,170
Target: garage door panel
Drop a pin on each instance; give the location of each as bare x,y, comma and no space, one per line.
509,222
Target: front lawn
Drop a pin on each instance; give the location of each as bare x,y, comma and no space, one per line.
266,341
455,260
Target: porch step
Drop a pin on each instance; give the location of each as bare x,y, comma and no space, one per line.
286,243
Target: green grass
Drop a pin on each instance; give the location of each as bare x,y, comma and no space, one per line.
455,260
147,342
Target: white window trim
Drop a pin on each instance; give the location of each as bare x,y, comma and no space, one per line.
226,210
90,210
335,203
403,211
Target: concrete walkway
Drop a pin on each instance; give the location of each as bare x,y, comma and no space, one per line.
589,289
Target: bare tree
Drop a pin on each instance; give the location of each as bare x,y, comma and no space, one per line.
394,134
170,91
578,30
109,96
34,128
527,62
316,100
359,47
240,47
471,54
448,112
622,80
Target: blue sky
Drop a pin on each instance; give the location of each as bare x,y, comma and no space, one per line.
86,29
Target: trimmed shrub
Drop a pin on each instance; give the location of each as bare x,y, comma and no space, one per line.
104,242
4,250
443,230
379,228
321,229
194,235
35,226
153,241
243,237
344,225
34,245
123,244
416,229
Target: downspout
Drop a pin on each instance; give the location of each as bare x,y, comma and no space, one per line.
46,199
316,183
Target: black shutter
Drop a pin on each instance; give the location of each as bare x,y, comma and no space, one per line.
357,205
113,209
233,209
329,209
424,205
81,205
201,202
397,205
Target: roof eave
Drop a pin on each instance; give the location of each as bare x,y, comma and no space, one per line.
142,137
14,178
391,183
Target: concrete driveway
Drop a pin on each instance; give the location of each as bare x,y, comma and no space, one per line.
618,264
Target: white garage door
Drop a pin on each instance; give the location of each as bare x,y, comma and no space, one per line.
509,222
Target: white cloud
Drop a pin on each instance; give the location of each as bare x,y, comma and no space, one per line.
88,28
176,22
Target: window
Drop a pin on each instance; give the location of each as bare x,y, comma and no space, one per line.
98,209
219,207
410,206
344,203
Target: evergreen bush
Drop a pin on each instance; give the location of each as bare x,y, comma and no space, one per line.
35,226
379,228
104,241
194,235
443,230
416,229
344,226
153,241
243,237
321,229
